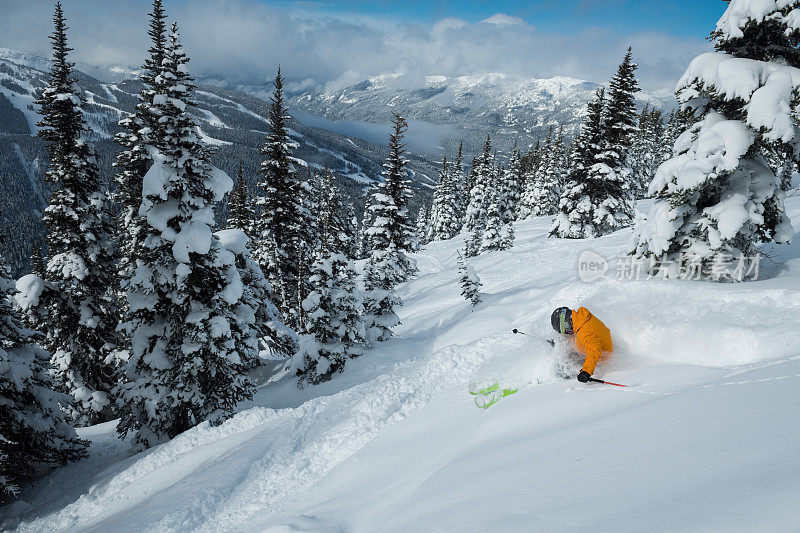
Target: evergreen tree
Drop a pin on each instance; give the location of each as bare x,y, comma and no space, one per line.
550,179
392,229
240,213
423,222
579,212
350,236
476,216
184,365
82,318
389,239
470,282
543,184
335,224
138,140
717,198
445,222
466,189
516,181
282,215
33,428
499,232
530,168
646,149
334,327
366,223
616,206
258,327
460,186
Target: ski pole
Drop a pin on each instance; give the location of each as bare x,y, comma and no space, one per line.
551,342
606,382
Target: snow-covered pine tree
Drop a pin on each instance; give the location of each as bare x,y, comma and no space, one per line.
334,326
335,226
241,214
445,220
552,178
307,236
184,365
459,183
423,222
475,219
578,209
33,427
258,327
677,122
389,239
516,180
468,183
537,197
390,203
543,191
717,198
281,215
81,313
530,165
350,237
317,358
614,204
499,232
138,139
366,223
645,151
469,281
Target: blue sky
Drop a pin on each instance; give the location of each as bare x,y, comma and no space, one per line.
677,17
329,44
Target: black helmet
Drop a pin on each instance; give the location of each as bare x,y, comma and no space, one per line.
561,319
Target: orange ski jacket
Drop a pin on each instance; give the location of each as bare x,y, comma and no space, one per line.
592,338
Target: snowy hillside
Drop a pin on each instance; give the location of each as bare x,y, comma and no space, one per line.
233,123
704,439
511,109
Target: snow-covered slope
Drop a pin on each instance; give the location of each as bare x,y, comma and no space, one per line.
704,439
512,109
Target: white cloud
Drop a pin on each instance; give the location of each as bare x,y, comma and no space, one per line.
501,19
243,41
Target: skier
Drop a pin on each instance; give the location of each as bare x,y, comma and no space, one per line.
592,337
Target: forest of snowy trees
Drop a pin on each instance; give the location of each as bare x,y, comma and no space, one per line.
140,308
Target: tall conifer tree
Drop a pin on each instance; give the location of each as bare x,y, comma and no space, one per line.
390,238
82,316
185,364
138,140
615,201
281,219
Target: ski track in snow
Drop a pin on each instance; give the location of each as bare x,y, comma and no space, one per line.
287,451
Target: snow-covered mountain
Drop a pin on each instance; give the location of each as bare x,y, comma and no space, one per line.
704,439
513,110
233,122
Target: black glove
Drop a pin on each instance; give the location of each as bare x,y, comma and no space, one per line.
584,376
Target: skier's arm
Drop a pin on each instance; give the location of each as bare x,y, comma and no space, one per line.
594,350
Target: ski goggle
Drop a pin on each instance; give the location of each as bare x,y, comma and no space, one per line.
565,321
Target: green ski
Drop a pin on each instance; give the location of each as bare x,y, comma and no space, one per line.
480,389
484,401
